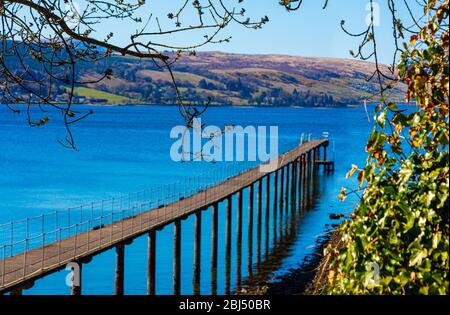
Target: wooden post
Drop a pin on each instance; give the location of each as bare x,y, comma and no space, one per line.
281,208
215,212
275,206
294,186
308,186
118,281
228,224
281,190
299,184
267,214
76,289
151,263
314,158
258,220
250,230
239,241
176,256
288,167
304,183
197,251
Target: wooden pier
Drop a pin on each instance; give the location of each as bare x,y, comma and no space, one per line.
19,271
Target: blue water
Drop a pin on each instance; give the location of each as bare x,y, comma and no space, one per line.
126,149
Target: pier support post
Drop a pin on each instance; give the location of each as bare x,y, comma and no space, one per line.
214,242
239,241
197,251
119,276
267,219
258,220
151,263
294,186
228,244
304,183
299,184
250,230
308,187
176,256
288,171
281,207
275,206
314,158
281,190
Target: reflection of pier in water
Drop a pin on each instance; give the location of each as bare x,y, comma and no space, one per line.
47,251
284,232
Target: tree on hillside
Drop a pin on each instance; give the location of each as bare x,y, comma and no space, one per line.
55,36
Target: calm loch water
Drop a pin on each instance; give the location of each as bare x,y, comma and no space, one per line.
126,149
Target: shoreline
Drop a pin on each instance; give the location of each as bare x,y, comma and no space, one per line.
251,106
307,279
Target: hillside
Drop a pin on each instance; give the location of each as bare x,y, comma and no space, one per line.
231,79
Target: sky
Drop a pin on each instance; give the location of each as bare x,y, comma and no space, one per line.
310,31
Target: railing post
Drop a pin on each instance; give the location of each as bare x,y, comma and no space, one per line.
176,256
118,280
197,250
151,264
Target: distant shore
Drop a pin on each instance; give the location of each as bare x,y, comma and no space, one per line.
199,105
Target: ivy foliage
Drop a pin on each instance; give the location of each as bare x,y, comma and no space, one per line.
402,221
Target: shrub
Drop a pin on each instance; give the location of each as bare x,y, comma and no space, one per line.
402,220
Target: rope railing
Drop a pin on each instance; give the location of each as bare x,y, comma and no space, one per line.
101,223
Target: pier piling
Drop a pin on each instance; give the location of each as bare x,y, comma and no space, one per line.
239,241
197,251
151,266
250,230
176,256
214,241
119,276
